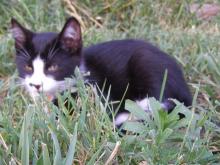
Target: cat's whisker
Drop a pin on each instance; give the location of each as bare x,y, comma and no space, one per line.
24,53
23,56
52,51
20,83
90,81
50,56
19,79
52,47
66,84
24,50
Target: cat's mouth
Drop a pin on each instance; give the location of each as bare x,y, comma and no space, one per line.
49,95
51,91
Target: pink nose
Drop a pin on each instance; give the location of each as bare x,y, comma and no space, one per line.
36,86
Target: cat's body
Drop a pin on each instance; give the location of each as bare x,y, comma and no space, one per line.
44,60
138,65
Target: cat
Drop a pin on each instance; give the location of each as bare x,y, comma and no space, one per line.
45,59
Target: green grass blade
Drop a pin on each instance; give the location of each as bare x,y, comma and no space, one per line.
95,156
25,141
35,153
72,147
163,85
57,157
46,157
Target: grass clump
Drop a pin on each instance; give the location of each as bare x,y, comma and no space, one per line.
88,136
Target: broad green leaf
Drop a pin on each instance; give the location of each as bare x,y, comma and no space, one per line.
135,110
165,135
155,106
135,127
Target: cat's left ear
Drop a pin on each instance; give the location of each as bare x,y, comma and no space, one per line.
70,36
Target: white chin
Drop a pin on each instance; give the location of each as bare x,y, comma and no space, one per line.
34,95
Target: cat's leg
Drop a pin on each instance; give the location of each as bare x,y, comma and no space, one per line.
144,104
168,105
125,116
122,117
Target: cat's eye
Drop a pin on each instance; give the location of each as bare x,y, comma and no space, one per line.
28,68
52,68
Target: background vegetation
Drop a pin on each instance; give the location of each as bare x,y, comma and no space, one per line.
88,136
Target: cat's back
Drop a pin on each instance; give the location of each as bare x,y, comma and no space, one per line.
120,51
116,48
117,54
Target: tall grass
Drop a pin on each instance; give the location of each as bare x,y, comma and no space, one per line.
88,136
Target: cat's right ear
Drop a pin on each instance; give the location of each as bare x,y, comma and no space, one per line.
19,33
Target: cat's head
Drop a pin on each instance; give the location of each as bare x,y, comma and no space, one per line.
45,59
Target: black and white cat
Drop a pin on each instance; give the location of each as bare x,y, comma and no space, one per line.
44,60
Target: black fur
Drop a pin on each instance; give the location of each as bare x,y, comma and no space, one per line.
138,64
135,64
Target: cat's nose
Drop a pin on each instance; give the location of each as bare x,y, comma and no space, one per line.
37,86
